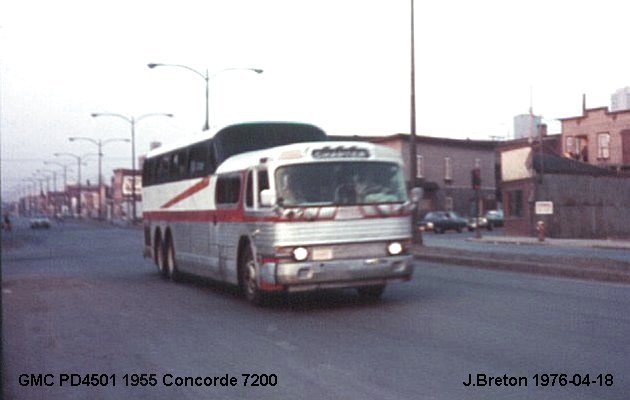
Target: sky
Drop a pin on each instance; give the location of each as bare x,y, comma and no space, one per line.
343,65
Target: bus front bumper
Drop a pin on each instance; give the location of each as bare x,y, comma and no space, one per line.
313,275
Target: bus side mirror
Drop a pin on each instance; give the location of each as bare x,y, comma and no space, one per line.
267,197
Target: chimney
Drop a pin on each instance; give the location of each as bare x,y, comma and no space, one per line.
583,104
543,129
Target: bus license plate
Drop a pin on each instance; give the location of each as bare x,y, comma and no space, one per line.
322,253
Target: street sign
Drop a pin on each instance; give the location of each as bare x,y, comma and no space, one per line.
544,207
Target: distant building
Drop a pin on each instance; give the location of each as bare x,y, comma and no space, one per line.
89,199
588,201
444,170
121,207
526,125
580,171
620,100
599,137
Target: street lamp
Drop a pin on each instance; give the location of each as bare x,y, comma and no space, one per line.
54,176
30,199
78,158
65,171
132,121
55,198
99,143
65,179
39,176
206,78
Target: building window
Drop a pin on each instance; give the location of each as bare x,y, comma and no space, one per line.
478,163
419,166
448,169
603,146
515,203
568,146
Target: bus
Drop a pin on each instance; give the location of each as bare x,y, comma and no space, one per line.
277,208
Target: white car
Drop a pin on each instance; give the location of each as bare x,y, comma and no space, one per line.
40,221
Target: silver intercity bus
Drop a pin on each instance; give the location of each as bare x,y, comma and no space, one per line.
303,216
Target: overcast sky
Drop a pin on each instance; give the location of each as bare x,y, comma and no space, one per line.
341,64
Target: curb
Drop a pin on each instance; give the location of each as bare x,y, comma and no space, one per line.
597,273
550,242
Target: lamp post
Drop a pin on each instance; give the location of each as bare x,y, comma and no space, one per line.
41,178
65,179
413,156
99,143
206,78
132,121
78,158
51,193
32,196
65,171
54,177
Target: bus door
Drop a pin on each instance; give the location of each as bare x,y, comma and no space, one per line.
226,224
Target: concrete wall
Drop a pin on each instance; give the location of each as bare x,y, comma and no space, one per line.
586,206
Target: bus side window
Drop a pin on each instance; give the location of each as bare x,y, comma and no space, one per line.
179,165
197,160
212,163
163,168
249,191
263,183
228,190
147,176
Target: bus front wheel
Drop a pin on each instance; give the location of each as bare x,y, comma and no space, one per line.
249,278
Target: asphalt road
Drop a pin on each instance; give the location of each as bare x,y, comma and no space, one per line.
79,299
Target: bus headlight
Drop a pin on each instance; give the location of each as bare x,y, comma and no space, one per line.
394,248
300,253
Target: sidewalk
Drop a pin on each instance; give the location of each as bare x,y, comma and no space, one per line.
557,259
617,244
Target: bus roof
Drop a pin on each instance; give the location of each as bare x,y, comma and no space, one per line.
238,138
311,152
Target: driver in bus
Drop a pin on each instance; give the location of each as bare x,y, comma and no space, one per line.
289,191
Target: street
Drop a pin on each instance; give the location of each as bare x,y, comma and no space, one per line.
80,299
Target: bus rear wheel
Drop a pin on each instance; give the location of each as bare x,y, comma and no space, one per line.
171,267
160,256
249,278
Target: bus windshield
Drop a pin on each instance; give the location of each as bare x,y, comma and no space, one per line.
340,183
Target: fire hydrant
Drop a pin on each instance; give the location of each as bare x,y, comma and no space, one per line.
540,228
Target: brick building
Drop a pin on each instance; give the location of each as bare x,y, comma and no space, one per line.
598,137
581,171
121,203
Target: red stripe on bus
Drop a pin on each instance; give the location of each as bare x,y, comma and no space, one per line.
232,215
202,184
229,215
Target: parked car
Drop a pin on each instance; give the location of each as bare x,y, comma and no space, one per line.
442,221
40,221
481,222
494,218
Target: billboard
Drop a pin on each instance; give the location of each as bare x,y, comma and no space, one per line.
126,185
